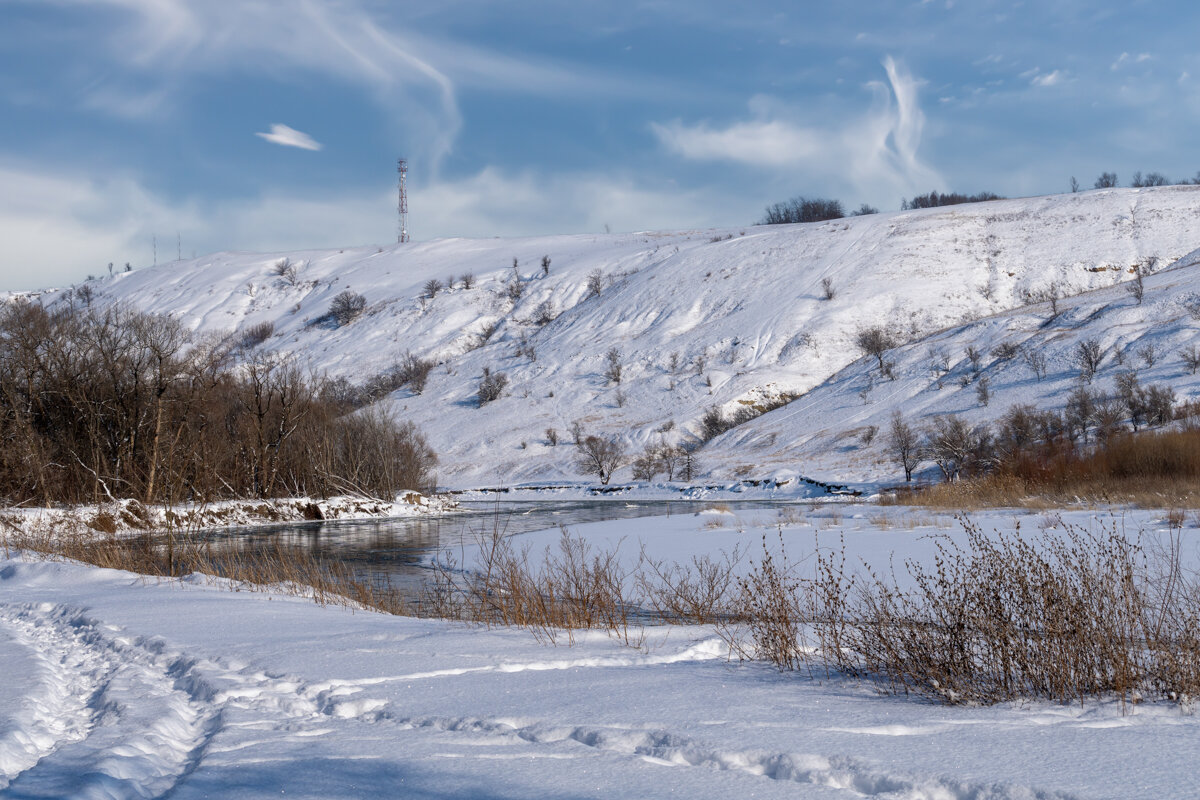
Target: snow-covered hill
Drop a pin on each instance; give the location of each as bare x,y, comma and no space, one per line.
744,310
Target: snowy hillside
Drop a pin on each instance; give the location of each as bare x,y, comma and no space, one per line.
826,429
743,308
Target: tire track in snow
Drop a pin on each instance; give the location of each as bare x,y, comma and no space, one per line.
856,777
114,716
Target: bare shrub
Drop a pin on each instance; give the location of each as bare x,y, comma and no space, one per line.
867,435
983,391
827,288
288,270
468,280
1137,286
491,386
255,335
1006,351
699,593
545,266
552,437
595,283
432,287
1148,353
513,290
612,365
346,306
544,313
572,587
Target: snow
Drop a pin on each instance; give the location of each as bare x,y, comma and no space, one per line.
746,300
121,686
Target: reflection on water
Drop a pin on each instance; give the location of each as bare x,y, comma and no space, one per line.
402,550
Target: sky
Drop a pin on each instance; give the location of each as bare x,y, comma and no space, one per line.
136,131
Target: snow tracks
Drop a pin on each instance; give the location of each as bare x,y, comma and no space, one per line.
102,715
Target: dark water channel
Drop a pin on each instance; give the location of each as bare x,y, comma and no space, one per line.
402,550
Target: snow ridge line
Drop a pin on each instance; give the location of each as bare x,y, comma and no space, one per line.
855,776
137,722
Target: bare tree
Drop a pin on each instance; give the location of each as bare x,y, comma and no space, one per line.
1088,355
827,288
874,341
432,287
669,456
1035,359
600,457
1191,358
545,266
1107,180
905,444
647,464
1074,185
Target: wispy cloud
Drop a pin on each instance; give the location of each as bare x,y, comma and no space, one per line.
876,152
1048,79
1125,59
290,137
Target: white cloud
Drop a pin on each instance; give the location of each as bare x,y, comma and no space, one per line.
1048,79
290,137
762,143
876,154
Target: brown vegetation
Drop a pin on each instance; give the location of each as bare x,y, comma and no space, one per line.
1156,468
98,405
1060,616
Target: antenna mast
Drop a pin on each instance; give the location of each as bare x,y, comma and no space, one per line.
402,168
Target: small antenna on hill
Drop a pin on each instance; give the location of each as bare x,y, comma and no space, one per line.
402,168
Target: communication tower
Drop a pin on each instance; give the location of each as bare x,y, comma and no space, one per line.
402,168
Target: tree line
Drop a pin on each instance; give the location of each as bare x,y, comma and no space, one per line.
105,404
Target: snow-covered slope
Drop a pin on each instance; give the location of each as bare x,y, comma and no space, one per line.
747,302
827,430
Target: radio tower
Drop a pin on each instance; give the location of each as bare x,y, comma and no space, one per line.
402,168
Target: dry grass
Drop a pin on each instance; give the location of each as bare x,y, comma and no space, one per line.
1150,469
571,587
280,568
1063,615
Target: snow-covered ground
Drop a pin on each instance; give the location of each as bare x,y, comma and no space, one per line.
746,302
121,686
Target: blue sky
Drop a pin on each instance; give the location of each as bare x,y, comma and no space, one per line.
275,124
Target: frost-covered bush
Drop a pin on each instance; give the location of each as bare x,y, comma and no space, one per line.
491,385
346,306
